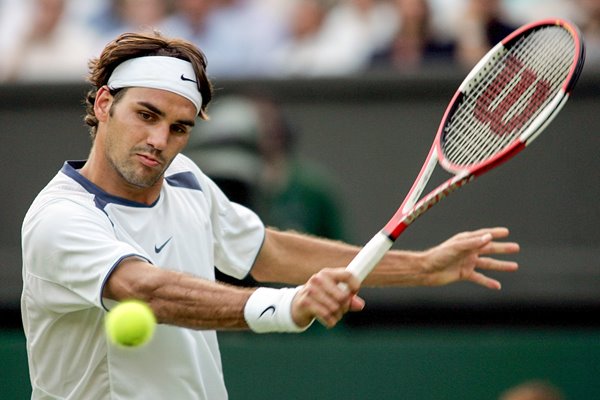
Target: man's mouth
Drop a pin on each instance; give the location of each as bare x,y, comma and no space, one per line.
148,160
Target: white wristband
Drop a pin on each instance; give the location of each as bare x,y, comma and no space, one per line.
270,310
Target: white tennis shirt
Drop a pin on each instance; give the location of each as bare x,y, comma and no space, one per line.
74,234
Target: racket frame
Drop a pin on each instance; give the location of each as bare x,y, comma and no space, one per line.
411,209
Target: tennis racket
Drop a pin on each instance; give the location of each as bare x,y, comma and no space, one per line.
503,104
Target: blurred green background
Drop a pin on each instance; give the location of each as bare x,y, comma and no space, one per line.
414,363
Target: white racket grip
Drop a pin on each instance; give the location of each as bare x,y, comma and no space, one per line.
368,257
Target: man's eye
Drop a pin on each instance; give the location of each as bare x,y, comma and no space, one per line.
145,115
179,129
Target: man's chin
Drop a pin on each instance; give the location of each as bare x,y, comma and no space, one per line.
143,181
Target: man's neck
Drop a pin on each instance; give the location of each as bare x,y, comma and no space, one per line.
110,181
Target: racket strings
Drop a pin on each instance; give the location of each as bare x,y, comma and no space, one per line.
506,83
476,140
550,72
510,92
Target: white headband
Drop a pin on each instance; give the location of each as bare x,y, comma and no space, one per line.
158,72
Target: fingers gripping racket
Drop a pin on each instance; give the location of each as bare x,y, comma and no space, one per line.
503,104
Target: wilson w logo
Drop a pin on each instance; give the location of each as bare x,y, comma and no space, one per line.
496,117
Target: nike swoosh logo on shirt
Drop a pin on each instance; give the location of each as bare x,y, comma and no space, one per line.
158,249
270,308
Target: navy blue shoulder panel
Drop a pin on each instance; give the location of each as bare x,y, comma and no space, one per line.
186,180
101,198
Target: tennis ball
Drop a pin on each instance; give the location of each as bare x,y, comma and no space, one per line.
131,323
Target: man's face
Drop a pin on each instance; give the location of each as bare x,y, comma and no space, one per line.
145,130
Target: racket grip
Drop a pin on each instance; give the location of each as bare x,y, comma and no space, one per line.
368,257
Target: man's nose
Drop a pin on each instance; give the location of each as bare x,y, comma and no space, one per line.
158,137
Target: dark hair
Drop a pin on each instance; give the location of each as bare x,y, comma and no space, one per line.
134,45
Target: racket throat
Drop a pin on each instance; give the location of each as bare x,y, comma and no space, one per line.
403,219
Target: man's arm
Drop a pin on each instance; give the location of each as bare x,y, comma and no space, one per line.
316,264
292,258
177,298
187,301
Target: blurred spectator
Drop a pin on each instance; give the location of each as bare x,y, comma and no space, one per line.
357,29
521,12
589,23
445,15
248,149
329,38
532,390
483,24
45,45
416,43
226,148
189,20
281,8
237,36
306,48
334,38
294,192
122,16
318,43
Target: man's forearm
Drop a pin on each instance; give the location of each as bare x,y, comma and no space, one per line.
179,299
289,257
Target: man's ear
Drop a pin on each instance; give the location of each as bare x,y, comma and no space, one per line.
103,103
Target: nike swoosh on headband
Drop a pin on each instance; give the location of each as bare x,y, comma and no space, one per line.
183,78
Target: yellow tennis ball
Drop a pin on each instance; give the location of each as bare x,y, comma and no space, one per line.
131,323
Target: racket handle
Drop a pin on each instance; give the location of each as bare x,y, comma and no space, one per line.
368,257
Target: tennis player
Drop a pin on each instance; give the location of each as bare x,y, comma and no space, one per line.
139,220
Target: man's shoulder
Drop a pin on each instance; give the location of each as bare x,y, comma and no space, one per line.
64,186
181,163
184,173
60,190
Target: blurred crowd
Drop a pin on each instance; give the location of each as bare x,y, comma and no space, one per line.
53,39
249,148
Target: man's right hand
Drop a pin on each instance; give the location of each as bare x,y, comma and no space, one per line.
327,296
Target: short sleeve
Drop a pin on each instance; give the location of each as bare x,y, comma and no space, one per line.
69,250
238,234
